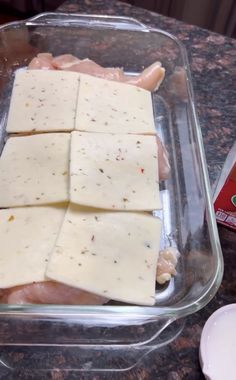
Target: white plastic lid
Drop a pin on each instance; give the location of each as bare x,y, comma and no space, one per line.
218,345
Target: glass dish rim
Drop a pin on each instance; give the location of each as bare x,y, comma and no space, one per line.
143,312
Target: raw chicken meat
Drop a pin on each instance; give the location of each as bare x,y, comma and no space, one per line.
49,292
42,61
64,61
86,66
166,264
163,160
70,63
150,79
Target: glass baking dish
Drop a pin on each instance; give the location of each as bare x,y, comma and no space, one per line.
188,217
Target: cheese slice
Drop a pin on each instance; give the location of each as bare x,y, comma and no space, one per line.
118,172
113,107
27,238
43,100
112,254
35,170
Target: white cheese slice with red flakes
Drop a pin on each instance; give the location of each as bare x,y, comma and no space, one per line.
117,172
35,170
43,100
112,254
27,238
113,107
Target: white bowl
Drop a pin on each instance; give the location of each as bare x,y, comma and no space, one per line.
218,345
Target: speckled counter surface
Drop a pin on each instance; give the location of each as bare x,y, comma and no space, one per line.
213,66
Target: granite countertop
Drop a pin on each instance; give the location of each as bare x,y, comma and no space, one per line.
212,61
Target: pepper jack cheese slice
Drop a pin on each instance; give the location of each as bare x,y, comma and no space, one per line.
27,238
112,254
34,170
43,100
118,172
112,107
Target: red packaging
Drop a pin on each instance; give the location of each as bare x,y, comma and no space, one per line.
225,194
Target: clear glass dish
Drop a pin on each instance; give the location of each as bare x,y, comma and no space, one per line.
188,216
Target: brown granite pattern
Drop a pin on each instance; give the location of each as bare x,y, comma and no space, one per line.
212,60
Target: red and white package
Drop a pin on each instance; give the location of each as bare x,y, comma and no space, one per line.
225,193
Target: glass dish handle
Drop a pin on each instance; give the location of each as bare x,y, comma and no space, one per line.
65,329
41,340
75,19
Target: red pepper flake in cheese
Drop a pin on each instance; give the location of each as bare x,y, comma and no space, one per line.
142,170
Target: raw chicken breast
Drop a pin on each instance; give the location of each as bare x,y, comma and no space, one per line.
50,292
150,79
42,61
163,160
166,264
86,66
64,61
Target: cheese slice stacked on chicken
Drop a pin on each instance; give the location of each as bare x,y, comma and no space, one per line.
106,171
